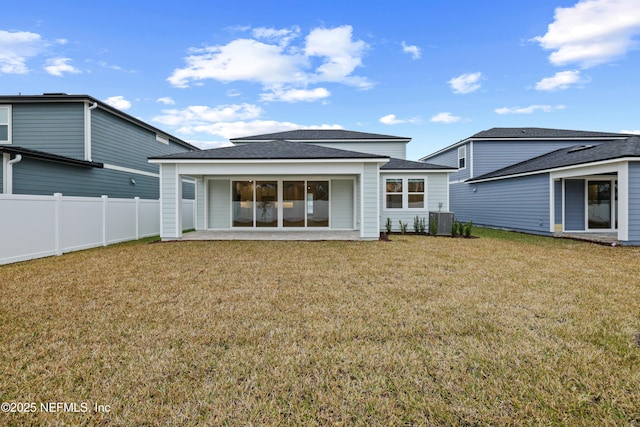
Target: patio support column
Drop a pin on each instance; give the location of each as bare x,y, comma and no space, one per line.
623,201
201,192
170,202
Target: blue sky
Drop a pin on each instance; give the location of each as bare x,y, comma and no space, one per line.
436,71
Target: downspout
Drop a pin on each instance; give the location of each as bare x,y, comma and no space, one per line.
87,131
8,181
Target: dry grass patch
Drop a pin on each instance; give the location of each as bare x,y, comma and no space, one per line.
505,329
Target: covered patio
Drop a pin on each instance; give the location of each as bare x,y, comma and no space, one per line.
315,235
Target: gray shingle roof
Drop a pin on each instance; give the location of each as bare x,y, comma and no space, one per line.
270,150
576,155
519,133
320,135
400,164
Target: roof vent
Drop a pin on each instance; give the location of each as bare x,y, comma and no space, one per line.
580,148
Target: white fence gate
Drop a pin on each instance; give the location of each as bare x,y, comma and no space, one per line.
39,226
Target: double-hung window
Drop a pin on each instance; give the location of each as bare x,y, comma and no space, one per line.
5,124
394,193
405,193
462,157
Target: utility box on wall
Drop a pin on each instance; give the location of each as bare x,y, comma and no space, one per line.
443,222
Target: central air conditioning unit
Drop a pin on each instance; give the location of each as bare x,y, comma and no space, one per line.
443,221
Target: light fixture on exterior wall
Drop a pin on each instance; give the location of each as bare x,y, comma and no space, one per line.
475,189
132,181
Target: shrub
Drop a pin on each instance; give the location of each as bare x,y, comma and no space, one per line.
403,226
416,224
433,226
422,225
467,229
388,225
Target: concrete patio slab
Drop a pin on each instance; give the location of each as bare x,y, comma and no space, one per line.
254,234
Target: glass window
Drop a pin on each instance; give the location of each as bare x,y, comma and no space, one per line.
416,193
242,196
462,157
317,203
394,193
266,203
5,118
293,204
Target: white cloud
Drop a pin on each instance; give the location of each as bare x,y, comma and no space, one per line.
62,41
118,102
243,128
592,32
59,66
270,59
445,118
166,100
391,119
530,109
16,48
635,132
466,83
199,115
296,95
281,36
560,81
414,51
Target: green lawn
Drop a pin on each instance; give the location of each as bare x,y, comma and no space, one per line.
503,329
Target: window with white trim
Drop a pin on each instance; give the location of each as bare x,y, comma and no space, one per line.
462,157
5,124
405,193
393,188
415,193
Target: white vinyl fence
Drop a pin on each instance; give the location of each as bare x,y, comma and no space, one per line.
39,226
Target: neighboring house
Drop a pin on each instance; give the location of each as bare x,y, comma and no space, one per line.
303,180
547,181
79,146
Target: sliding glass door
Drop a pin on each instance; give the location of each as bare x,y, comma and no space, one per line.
299,203
599,204
293,203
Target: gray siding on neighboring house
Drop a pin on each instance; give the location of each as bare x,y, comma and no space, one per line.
520,204
391,149
341,204
574,205
489,156
118,142
450,158
38,177
31,176
56,128
634,202
557,201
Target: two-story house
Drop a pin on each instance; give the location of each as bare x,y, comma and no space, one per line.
79,146
547,181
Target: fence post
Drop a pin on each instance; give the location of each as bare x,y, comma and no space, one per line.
57,199
137,199
105,200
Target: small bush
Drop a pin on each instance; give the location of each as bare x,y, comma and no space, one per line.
433,226
422,225
416,224
403,227
388,226
467,229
